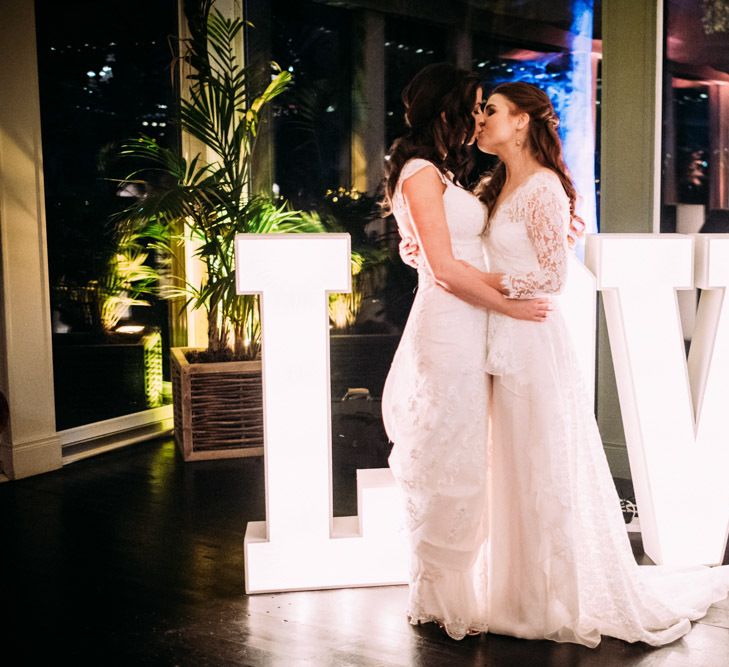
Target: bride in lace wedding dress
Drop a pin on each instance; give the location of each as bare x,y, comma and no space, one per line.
435,399
560,565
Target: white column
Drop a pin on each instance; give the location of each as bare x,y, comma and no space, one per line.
461,45
192,267
632,36
31,444
719,138
368,102
632,66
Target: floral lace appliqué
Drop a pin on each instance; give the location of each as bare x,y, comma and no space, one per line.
546,216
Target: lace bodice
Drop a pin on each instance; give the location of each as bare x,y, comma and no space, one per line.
465,215
527,239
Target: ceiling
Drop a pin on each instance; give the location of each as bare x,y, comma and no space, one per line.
693,54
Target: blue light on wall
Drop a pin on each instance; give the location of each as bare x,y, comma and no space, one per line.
568,80
578,135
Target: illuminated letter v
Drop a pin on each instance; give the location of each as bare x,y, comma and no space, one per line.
675,413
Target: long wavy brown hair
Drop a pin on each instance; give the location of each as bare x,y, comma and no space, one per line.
543,141
439,103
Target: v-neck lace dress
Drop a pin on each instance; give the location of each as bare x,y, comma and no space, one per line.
560,563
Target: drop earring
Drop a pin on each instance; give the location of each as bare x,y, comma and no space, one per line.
518,142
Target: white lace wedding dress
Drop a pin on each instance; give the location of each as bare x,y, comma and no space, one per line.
560,563
434,407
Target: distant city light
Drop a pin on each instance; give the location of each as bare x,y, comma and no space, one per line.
90,74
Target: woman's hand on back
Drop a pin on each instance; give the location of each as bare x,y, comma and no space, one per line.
532,310
409,251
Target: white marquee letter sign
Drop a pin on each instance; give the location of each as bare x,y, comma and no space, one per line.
300,545
675,414
578,304
676,421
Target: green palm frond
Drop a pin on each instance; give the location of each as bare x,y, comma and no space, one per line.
209,198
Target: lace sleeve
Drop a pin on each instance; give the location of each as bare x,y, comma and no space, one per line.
546,217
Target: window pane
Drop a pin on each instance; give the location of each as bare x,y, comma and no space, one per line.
695,165
410,45
105,77
330,132
340,106
312,119
695,188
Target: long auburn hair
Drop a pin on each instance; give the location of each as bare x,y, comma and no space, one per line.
544,142
439,114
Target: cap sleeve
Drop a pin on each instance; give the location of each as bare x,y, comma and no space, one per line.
412,167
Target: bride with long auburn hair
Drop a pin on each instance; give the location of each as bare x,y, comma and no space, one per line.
561,563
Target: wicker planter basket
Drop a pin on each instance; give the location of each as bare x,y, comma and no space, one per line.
218,408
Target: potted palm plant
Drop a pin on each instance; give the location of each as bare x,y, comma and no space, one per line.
207,200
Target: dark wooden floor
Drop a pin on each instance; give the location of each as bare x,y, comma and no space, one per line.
136,558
